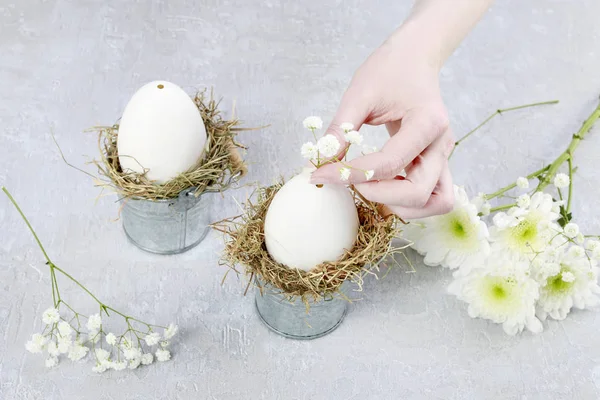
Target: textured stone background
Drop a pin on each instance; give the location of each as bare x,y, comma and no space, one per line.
67,65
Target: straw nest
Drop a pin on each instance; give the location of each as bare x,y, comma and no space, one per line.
245,245
220,167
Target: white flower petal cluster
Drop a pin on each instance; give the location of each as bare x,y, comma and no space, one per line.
312,123
309,150
354,137
522,183
561,181
50,316
345,174
328,146
347,127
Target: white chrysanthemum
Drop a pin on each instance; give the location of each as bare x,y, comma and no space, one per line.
77,352
574,285
456,239
522,183
561,180
328,146
36,344
344,174
170,331
94,323
502,292
368,149
571,230
163,355
524,201
51,362
51,316
354,137
347,126
147,359
152,338
525,230
111,339
65,329
309,150
312,123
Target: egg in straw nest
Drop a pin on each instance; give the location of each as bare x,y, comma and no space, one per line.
215,166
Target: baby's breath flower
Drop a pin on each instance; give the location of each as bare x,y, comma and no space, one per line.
64,328
170,331
102,366
132,353
486,208
165,343
133,364
344,174
77,352
152,338
592,245
353,137
347,126
119,365
312,123
328,145
523,201
102,355
522,182
53,349
571,230
36,344
51,316
163,355
309,150
561,180
51,362
111,339
64,344
147,359
94,323
369,174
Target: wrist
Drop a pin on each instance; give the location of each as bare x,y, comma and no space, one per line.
410,41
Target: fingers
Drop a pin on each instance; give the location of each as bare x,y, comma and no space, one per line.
417,131
440,202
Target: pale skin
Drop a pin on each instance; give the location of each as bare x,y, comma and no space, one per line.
398,86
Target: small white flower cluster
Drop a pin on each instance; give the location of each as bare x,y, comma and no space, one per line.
521,269
59,337
329,146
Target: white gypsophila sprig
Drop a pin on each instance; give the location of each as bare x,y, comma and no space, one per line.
522,182
309,151
328,146
561,180
354,137
313,123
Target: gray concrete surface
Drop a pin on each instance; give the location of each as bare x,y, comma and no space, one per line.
67,65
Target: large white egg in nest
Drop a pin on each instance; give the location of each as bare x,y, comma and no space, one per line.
307,225
161,131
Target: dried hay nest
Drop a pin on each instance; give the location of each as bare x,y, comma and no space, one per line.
245,245
219,168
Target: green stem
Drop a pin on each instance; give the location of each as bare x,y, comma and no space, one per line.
502,207
514,184
498,112
570,161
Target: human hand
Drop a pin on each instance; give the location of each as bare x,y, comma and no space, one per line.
398,86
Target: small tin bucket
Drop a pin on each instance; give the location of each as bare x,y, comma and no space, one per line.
291,318
167,226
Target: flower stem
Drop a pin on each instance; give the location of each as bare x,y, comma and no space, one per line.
505,189
570,161
502,207
498,112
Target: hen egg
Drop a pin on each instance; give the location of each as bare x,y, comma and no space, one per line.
161,131
307,225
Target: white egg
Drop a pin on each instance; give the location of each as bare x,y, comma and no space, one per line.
161,130
307,225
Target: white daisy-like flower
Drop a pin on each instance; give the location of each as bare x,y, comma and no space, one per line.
456,239
36,344
368,149
147,359
312,123
347,127
571,230
522,182
369,174
309,150
51,362
344,173
353,137
51,316
163,355
525,230
111,339
574,285
328,145
502,292
561,180
171,331
77,352
53,349
65,329
94,322
523,201
152,338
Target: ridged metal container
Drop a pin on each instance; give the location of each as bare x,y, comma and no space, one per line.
291,319
167,226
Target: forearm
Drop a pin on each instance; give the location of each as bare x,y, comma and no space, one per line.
436,27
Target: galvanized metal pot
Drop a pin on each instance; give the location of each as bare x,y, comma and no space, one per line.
167,226
292,320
